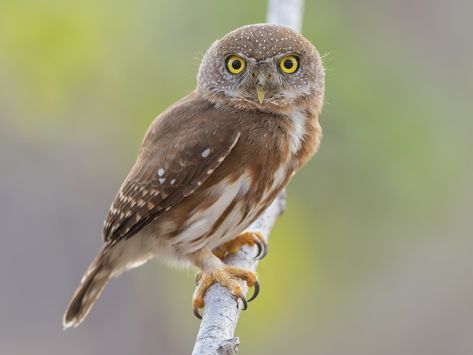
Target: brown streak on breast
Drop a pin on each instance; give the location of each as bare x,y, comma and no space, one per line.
220,220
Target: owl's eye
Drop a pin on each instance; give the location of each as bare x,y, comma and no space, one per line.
289,64
235,64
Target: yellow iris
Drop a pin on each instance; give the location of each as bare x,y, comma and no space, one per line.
235,64
288,64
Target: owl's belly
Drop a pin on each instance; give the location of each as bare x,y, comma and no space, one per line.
238,204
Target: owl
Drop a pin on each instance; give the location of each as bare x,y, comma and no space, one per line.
211,163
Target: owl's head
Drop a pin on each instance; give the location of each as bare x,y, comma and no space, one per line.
261,67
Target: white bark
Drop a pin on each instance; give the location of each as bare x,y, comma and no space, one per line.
221,313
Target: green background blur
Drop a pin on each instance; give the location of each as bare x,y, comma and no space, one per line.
374,253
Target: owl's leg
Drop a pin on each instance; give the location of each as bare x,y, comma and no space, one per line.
245,238
213,270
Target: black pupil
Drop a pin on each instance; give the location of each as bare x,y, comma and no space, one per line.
288,64
236,64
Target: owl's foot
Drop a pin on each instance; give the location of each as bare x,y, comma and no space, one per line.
249,238
227,276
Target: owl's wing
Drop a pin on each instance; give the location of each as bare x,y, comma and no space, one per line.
180,151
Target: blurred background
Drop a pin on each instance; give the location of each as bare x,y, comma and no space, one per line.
374,253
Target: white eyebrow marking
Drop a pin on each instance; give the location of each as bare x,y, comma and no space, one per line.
205,153
161,172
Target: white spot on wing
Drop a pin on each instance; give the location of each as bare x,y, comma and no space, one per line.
162,180
205,153
161,172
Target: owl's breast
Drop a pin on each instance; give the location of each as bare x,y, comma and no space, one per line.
271,140
283,144
266,156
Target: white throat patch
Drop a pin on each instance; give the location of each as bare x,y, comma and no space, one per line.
298,119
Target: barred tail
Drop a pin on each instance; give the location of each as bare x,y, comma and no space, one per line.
89,290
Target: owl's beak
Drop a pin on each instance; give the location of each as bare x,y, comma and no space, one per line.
262,77
260,93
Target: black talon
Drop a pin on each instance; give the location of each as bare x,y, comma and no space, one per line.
197,314
265,251
262,249
245,303
255,294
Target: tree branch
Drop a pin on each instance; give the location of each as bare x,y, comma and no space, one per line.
286,13
221,313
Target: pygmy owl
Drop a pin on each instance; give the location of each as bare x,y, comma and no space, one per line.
213,162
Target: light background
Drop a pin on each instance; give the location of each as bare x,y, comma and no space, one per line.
374,254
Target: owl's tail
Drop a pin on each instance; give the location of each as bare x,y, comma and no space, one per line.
89,290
